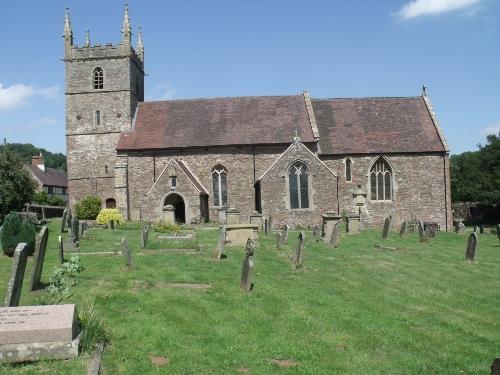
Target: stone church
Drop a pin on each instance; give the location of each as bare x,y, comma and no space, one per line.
294,157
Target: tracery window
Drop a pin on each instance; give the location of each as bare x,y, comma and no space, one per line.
98,117
348,169
98,79
219,181
298,180
381,181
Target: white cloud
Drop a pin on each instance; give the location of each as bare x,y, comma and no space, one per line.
491,129
417,8
17,95
162,91
43,122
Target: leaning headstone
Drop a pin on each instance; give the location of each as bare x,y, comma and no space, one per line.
246,272
470,252
39,257
32,333
286,229
316,232
222,242
298,258
61,250
334,239
111,224
64,218
421,232
385,231
127,253
402,231
17,275
481,229
495,367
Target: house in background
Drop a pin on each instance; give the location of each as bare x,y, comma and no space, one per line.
52,181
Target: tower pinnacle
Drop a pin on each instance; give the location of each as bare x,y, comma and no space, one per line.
126,31
68,34
140,46
87,39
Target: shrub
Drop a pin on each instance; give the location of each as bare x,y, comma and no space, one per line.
63,278
167,227
108,214
88,208
41,197
56,201
15,231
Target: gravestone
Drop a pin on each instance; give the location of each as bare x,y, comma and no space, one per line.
283,236
75,224
32,333
402,231
334,239
278,240
481,229
69,220
144,236
222,242
298,258
329,220
421,232
17,275
232,216
39,257
498,232
495,367
476,229
270,224
246,272
316,232
385,231
352,224
111,224
470,251
127,253
286,229
266,227
64,218
256,218
81,229
61,250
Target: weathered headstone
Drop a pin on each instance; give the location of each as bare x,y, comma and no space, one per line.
69,220
385,231
246,272
17,275
270,224
144,236
495,367
334,239
498,232
286,229
32,333
421,232
127,253
278,240
64,218
298,258
266,227
470,252
81,229
222,242
476,229
61,250
39,257
316,232
402,231
111,224
481,229
75,238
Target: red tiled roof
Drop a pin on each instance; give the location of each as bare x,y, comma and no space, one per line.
375,125
51,176
218,122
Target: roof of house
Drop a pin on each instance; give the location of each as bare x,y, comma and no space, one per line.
218,122
51,176
346,126
375,125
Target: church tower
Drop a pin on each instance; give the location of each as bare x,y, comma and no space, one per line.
104,84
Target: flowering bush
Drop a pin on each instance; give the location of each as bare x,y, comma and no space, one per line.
108,214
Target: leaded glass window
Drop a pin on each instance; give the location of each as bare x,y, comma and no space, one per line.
298,179
219,181
381,181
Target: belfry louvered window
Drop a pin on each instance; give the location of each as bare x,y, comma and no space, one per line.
219,181
98,79
348,169
381,182
298,177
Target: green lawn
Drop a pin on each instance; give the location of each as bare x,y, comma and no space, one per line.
420,309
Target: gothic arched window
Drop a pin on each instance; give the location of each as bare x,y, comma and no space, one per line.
348,169
298,180
98,117
98,79
381,185
219,181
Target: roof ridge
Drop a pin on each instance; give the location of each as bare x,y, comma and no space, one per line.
371,98
222,97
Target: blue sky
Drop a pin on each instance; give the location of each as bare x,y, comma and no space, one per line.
262,47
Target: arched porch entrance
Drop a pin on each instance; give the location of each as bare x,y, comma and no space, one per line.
177,201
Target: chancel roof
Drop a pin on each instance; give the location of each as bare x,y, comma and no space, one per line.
346,126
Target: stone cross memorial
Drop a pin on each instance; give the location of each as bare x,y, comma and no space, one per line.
64,218
61,250
246,272
334,240
385,231
17,275
402,231
39,257
298,258
32,333
470,251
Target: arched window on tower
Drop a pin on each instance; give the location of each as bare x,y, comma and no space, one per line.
98,117
298,180
98,79
381,181
219,181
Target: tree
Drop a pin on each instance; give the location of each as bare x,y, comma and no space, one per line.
27,150
88,208
16,185
16,230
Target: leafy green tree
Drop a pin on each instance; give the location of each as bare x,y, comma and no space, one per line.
88,208
16,185
27,150
14,231
41,197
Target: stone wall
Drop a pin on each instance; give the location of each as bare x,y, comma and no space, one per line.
419,187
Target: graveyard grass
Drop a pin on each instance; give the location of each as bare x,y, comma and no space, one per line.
419,309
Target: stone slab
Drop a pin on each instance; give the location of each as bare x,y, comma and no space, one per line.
238,234
38,324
